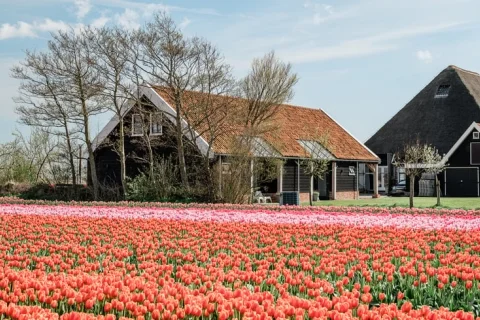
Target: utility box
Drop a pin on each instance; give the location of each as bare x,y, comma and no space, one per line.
291,198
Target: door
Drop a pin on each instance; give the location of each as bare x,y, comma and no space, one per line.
383,178
461,182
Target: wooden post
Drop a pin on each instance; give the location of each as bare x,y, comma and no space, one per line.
280,178
334,180
80,166
357,194
298,178
375,181
311,184
251,180
220,175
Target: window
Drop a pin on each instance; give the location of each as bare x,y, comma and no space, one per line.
137,125
475,153
476,135
401,175
442,91
351,171
226,168
155,124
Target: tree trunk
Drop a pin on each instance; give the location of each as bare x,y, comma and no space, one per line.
209,174
150,160
311,190
437,183
121,152
181,150
71,160
91,156
412,190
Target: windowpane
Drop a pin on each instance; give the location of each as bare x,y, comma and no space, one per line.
156,124
442,91
137,126
475,152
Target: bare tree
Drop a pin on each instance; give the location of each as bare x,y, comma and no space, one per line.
212,109
81,85
317,160
269,84
145,127
31,159
418,158
170,60
41,102
115,64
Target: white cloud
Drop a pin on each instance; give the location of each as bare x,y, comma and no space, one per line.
100,22
328,9
19,30
147,8
348,49
425,56
128,19
185,22
369,45
83,8
49,25
321,12
29,30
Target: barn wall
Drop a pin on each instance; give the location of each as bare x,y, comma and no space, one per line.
345,181
108,161
290,177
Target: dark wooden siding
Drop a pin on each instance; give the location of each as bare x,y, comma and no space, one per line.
290,176
459,182
346,182
108,161
304,181
461,157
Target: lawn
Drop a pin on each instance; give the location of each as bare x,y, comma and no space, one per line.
420,202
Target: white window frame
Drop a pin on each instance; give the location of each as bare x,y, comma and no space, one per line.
133,125
351,171
471,162
476,135
161,124
226,168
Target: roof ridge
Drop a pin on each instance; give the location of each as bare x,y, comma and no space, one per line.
240,98
463,70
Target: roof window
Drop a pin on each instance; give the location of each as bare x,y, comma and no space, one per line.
442,91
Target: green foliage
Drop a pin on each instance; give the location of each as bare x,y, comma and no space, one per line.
163,186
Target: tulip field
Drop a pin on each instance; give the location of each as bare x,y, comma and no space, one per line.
222,262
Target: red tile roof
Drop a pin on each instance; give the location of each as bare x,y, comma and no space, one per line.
289,124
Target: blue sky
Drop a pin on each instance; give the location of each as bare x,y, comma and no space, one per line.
360,61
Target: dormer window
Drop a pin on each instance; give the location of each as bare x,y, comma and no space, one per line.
442,91
156,128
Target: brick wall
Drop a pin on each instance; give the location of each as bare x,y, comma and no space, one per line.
347,195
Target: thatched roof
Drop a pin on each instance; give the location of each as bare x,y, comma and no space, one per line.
439,121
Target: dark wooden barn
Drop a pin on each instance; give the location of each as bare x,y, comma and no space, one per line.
444,114
292,140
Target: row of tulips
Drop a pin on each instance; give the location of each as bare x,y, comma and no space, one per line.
95,264
312,217
224,206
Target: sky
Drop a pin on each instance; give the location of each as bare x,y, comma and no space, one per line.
359,60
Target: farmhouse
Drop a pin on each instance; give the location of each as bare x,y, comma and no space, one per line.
292,138
444,114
